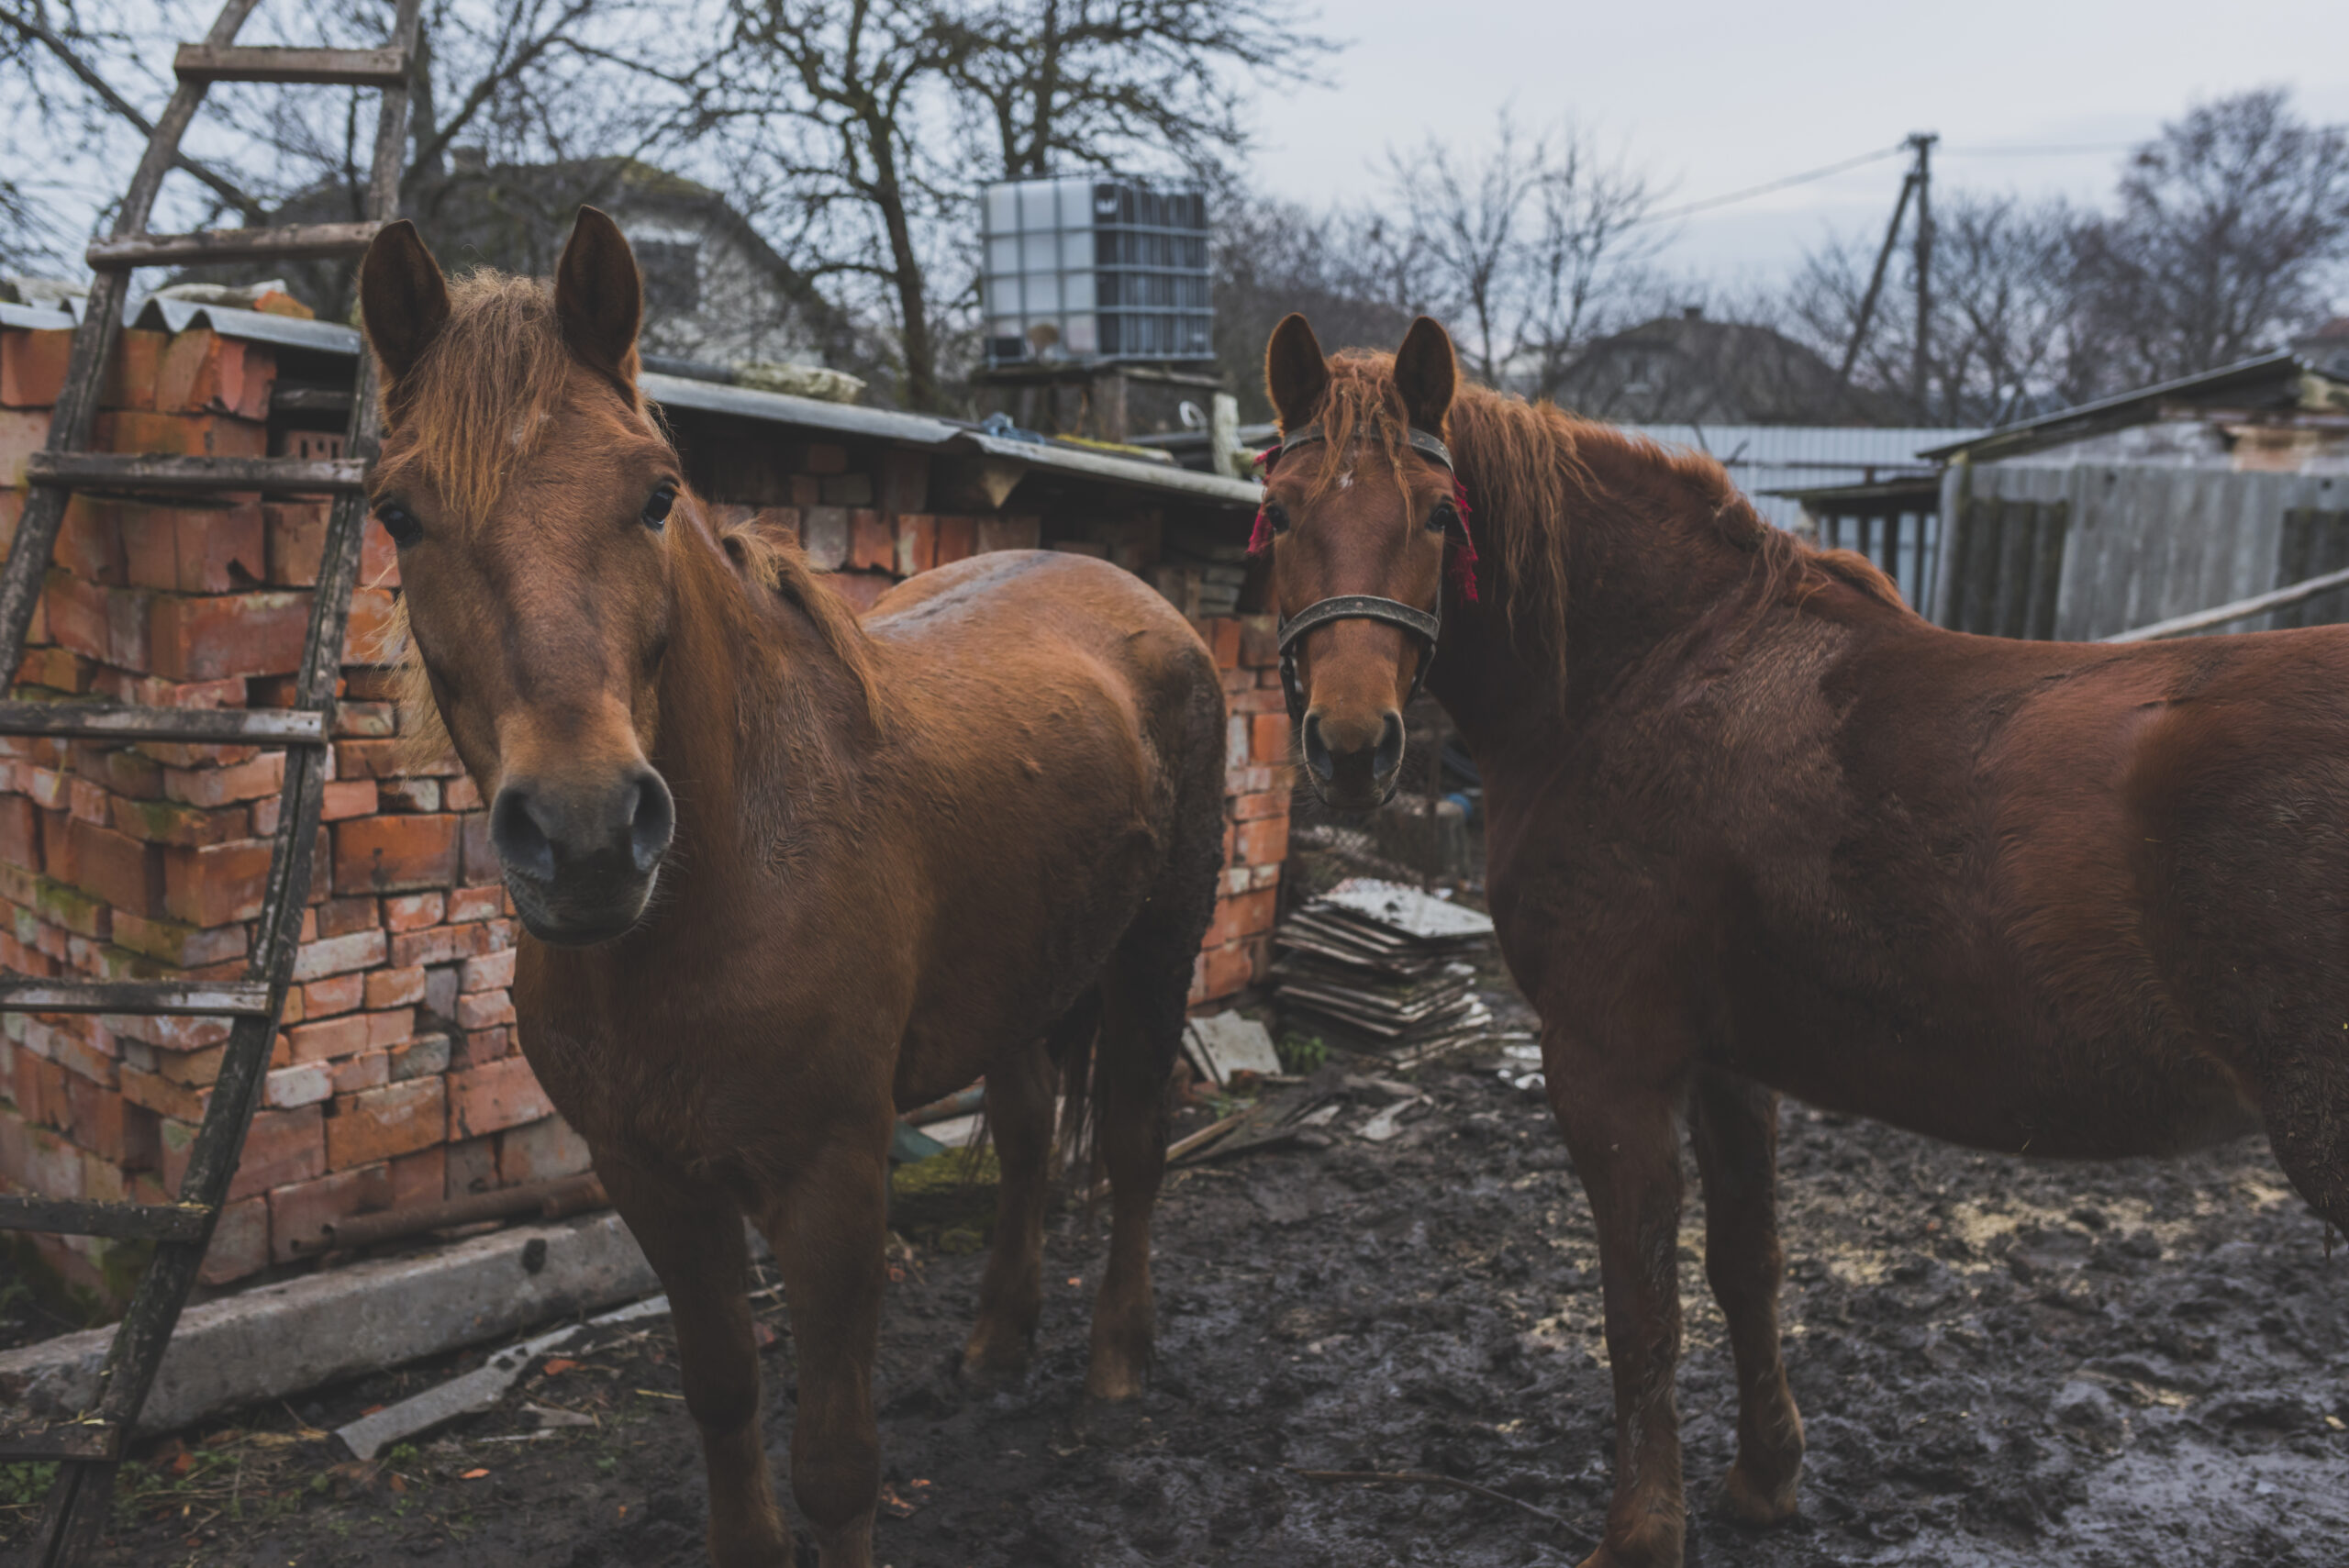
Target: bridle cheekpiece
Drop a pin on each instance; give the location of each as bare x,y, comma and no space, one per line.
1419,625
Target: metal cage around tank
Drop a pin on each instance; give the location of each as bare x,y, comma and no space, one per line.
1095,269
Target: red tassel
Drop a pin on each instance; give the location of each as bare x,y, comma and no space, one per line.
1463,557
1262,539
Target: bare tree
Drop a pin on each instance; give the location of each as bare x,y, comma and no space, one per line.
1524,248
1273,257
2232,223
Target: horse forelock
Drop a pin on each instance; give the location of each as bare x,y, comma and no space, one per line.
481,401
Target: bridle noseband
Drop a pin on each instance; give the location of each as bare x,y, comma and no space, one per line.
1421,625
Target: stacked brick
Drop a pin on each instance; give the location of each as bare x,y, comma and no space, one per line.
397,1079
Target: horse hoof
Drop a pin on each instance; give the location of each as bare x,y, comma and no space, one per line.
1110,1423
994,1370
1749,1502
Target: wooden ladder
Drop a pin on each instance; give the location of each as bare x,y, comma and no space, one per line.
89,1448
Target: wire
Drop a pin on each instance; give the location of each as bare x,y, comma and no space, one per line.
1751,191
2076,150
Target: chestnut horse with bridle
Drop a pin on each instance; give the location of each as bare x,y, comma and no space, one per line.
1754,825
783,873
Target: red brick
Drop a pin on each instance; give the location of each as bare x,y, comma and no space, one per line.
1007,533
408,796
280,1147
1249,807
460,795
916,543
301,1212
329,1039
471,1166
23,431
332,955
249,780
190,435
1268,736
398,1119
169,822
32,365
131,377
873,545
957,539
1259,641
202,372
1221,635
215,885
824,535
346,798
1253,913
391,1027
369,638
395,987
493,1098
488,972
294,540
305,1084
239,1244
342,917
478,1046
353,1075
1229,970
229,634
395,854
420,1178
90,544
542,1150
194,549
93,1116
484,1010
862,590
482,866
19,832
162,1097
1263,841
413,911
337,994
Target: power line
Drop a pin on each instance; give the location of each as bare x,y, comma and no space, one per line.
1751,191
2075,149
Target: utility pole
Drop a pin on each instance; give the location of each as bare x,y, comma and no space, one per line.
1919,375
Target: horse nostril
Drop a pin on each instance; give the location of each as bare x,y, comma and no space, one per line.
1389,755
1317,751
652,822
516,833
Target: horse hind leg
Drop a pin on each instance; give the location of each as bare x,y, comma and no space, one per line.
1734,1124
2304,1099
1020,1121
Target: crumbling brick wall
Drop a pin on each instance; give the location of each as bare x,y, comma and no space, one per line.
397,1079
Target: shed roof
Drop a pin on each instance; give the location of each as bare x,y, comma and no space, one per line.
2279,380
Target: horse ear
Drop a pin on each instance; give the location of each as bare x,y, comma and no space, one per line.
1426,375
1296,371
599,295
403,298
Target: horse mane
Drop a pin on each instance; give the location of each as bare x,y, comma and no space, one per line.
1527,467
782,569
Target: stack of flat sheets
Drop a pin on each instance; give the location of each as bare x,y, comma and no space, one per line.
1380,968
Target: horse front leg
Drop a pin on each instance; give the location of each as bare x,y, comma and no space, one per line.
829,1230
1734,1126
692,1234
1622,1127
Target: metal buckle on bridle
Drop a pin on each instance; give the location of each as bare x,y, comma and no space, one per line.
1419,624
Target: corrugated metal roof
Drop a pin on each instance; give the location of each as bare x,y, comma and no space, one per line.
2276,370
1762,458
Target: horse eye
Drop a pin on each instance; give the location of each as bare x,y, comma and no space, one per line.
656,505
1277,516
400,523
1444,518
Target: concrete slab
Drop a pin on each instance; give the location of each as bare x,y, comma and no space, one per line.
280,1340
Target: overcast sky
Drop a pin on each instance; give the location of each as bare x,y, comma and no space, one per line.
1714,96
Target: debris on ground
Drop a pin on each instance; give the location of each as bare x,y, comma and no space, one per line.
1224,1046
1380,968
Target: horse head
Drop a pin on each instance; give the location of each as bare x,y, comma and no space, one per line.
1361,507
530,493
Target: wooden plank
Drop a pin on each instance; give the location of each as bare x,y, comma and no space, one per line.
322,67
2046,570
128,1221
295,241
169,998
107,721
2241,609
267,476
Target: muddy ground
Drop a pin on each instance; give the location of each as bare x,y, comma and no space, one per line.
2000,1363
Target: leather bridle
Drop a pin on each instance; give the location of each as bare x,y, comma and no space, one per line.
1421,626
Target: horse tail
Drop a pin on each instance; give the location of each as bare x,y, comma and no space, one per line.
1070,1044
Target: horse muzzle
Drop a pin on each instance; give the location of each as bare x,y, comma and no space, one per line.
1353,766
581,861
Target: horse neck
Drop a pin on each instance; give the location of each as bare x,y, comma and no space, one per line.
762,727
1647,565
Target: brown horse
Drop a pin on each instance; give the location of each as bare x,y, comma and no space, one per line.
784,874
1755,825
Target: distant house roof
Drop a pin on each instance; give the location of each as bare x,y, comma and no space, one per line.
1767,461
2284,382
1687,369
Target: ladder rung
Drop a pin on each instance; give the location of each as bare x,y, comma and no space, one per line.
190,726
294,240
270,475
129,1221
71,1439
175,998
326,67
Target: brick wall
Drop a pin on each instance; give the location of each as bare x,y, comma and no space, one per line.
397,1079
